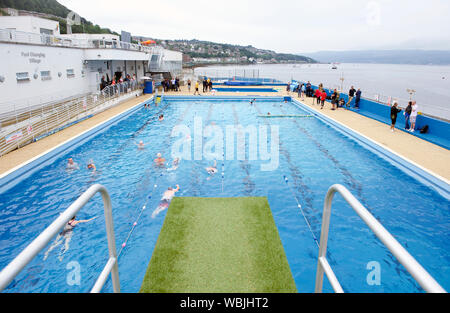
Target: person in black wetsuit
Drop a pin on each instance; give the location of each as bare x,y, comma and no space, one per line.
394,111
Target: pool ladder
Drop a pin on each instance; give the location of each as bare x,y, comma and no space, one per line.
25,257
425,280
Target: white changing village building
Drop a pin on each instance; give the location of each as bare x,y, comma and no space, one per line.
40,65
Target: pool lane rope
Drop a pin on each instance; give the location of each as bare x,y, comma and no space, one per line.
124,244
286,116
301,210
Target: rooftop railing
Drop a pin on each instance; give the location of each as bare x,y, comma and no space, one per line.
20,127
11,35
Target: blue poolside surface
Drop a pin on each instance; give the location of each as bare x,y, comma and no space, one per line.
243,89
313,156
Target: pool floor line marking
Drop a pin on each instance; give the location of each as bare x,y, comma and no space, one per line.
70,139
193,171
124,244
301,210
244,164
292,191
356,185
380,144
116,155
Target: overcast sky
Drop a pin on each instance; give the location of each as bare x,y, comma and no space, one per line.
289,26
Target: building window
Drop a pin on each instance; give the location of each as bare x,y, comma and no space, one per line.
70,73
45,75
22,76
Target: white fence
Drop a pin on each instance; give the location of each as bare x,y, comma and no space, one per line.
31,123
10,35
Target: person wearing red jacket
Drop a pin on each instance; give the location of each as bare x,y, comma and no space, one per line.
323,97
318,94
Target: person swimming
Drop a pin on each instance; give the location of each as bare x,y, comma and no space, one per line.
161,117
165,200
252,101
91,165
71,165
212,169
175,164
159,160
140,145
65,236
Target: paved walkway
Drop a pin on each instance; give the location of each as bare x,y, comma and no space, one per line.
17,157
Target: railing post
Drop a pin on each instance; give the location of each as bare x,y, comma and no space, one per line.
425,280
323,240
111,241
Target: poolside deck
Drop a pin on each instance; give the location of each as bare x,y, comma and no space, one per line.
429,156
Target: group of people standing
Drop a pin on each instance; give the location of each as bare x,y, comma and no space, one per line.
410,114
171,84
321,96
104,82
354,96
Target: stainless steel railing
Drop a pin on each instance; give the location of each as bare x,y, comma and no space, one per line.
416,270
25,257
26,122
10,35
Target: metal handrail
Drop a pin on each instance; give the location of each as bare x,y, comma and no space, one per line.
25,257
428,283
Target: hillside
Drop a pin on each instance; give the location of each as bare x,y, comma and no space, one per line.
195,51
206,52
418,57
55,11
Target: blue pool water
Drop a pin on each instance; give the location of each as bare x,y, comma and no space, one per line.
313,156
229,89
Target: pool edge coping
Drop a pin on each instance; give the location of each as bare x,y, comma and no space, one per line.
411,168
14,175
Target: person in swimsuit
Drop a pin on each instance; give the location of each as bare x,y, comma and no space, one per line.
65,235
91,166
165,200
175,164
161,117
212,169
71,165
140,145
159,160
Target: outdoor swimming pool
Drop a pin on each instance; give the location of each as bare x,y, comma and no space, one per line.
312,155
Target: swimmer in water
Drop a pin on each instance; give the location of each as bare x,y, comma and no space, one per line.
65,235
212,169
268,113
159,160
175,164
140,145
165,200
91,165
161,117
251,102
71,165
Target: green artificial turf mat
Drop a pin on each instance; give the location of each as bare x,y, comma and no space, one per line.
218,245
